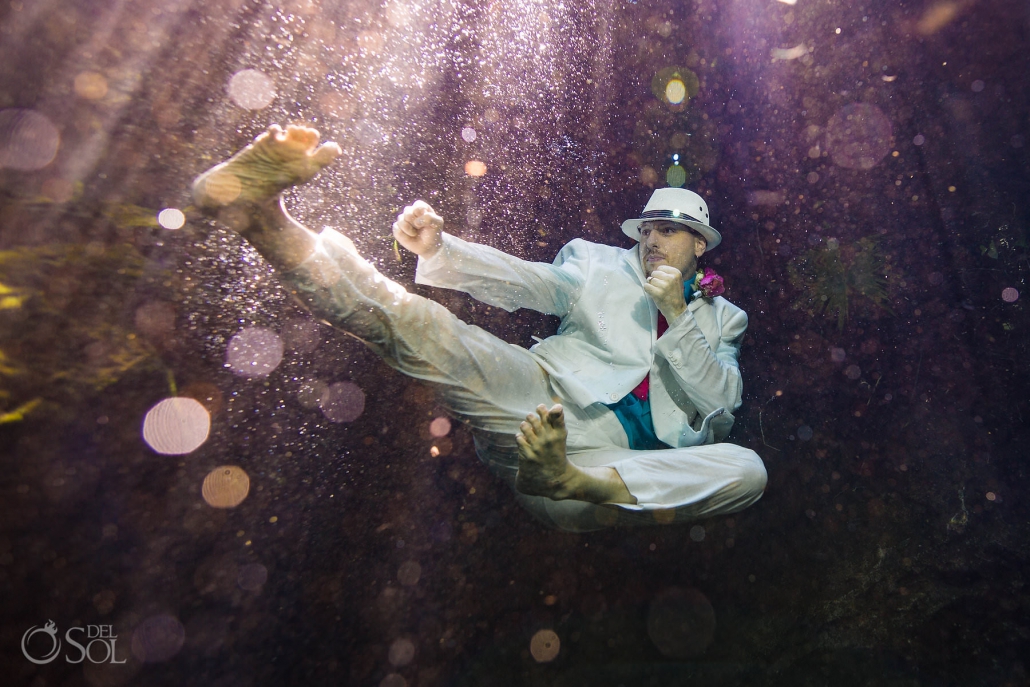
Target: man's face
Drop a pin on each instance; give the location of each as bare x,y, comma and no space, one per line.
669,243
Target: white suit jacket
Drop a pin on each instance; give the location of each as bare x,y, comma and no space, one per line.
607,341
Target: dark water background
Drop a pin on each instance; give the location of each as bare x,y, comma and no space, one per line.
891,545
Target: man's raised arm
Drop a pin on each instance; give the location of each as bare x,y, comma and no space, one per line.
487,274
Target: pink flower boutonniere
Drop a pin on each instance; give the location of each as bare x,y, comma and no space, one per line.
708,284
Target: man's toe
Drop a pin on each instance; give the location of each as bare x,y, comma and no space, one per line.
556,417
326,154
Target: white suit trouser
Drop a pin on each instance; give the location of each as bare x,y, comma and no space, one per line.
491,386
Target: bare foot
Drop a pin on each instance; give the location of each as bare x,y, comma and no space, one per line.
544,469
275,161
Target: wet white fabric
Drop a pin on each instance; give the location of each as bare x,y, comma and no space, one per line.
491,386
607,341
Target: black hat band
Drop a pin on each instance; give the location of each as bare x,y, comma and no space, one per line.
669,214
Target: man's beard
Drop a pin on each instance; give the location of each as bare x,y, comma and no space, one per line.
688,271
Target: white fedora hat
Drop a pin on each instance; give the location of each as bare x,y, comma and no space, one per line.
675,205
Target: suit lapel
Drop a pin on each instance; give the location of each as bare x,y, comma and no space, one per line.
704,314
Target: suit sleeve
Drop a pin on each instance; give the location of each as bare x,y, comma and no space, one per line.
504,281
711,379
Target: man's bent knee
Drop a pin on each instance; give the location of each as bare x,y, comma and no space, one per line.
753,476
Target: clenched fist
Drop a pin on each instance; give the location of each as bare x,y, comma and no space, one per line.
665,287
419,229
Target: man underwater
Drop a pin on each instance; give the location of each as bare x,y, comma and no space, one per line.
642,373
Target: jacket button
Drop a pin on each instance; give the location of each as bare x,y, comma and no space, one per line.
613,396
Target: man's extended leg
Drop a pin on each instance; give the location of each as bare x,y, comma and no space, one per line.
485,382
482,380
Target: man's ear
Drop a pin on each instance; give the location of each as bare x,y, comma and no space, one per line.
700,245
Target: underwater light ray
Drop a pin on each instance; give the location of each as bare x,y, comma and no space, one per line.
385,71
110,92
546,70
172,25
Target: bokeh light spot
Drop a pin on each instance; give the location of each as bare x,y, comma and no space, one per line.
252,577
225,487
155,320
171,218
681,622
648,176
1009,294
676,176
251,89
919,139
853,372
858,136
90,85
937,15
675,91
401,653
697,533
991,496
765,198
837,355
805,433
469,134
158,638
545,646
343,402
440,427
28,140
789,53
977,86
475,168
176,426
104,601
409,573
393,680
254,352
686,88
